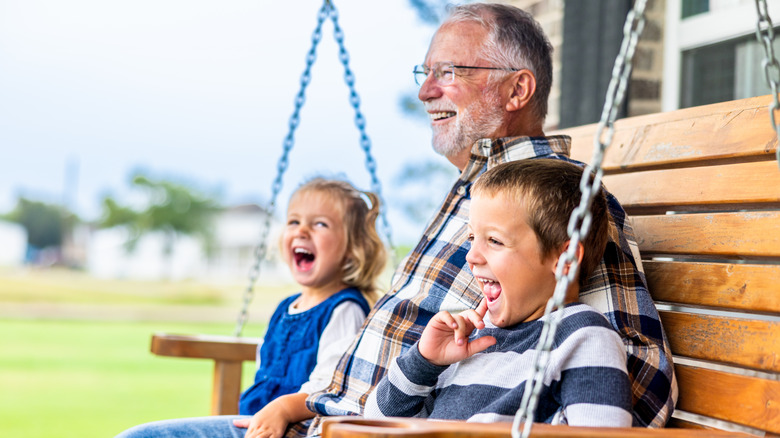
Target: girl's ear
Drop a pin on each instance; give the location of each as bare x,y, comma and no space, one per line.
580,252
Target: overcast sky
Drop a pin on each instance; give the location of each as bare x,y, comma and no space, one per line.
198,90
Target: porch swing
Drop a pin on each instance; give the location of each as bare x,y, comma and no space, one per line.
229,352
702,188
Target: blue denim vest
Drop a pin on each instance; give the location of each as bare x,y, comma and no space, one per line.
289,350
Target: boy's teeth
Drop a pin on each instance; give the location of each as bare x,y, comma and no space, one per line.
301,251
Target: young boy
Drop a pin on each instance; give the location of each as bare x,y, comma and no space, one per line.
517,228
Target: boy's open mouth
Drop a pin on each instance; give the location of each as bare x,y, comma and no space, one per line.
304,259
491,289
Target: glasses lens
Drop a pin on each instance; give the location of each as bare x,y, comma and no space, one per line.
446,73
419,74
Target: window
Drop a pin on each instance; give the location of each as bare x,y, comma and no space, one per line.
693,7
724,71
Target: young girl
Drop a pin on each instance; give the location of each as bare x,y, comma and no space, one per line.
334,252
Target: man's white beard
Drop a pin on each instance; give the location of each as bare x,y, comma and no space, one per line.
478,120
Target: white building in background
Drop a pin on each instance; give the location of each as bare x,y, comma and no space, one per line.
13,244
237,231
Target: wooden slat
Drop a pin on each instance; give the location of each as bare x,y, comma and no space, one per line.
743,400
732,131
687,424
692,188
351,427
742,342
749,234
736,286
204,347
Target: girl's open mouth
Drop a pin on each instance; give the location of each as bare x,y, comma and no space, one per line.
304,259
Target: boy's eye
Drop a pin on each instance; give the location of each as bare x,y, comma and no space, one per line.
292,222
321,224
470,238
494,241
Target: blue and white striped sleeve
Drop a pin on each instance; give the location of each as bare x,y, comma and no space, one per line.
406,388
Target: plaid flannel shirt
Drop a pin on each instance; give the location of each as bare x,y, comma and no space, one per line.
435,276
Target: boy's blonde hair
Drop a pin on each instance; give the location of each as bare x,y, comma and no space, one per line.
366,253
549,189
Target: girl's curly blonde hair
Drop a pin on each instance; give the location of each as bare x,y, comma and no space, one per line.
366,253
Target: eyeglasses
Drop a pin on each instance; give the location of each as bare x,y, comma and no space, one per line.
444,72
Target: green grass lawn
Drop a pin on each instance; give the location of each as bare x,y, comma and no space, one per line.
86,377
95,379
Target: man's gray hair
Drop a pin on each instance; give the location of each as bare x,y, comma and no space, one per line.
515,40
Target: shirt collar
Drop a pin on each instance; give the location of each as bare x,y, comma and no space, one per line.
503,150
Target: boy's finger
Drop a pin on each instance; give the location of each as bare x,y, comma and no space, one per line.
474,318
447,319
481,344
482,308
464,328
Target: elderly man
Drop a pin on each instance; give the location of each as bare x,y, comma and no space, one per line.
485,83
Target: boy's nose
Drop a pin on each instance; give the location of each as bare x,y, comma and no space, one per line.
474,257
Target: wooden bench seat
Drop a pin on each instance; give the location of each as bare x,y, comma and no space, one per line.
702,189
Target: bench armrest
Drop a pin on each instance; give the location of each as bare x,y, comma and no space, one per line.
227,352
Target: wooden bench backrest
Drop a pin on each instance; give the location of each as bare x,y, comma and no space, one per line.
702,188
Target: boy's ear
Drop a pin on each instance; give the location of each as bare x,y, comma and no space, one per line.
565,247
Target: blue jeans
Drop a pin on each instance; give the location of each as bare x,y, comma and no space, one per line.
200,427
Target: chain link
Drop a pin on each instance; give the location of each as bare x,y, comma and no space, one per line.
327,10
262,247
765,33
580,220
360,122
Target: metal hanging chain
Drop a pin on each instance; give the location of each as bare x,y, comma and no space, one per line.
360,122
580,220
262,247
327,10
765,33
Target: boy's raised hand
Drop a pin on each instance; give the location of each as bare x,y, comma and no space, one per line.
444,340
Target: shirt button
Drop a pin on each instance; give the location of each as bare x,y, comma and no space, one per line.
461,190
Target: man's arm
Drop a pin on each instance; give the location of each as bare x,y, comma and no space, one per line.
619,290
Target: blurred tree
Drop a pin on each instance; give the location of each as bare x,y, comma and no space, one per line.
172,208
45,223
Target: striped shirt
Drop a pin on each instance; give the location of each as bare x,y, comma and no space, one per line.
585,384
435,276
